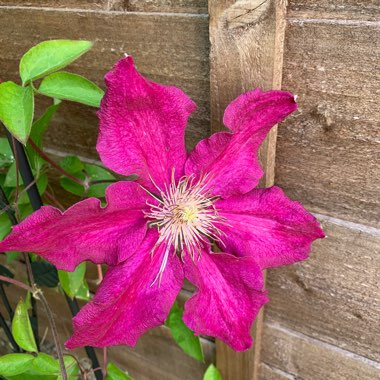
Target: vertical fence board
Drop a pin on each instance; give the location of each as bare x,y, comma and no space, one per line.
246,52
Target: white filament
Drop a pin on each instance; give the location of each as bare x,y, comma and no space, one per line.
185,217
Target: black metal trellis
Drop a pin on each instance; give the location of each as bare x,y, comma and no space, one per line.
36,202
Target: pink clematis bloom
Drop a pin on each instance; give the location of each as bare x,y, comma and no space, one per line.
160,229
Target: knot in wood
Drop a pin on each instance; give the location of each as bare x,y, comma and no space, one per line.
246,12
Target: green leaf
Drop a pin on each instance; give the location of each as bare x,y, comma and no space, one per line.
6,154
83,292
183,335
22,329
25,210
73,187
12,256
16,109
5,225
45,364
50,56
11,177
72,368
42,184
90,173
14,364
68,86
71,282
45,274
212,373
32,375
96,173
39,127
114,373
71,164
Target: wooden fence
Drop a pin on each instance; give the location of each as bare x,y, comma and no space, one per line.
323,319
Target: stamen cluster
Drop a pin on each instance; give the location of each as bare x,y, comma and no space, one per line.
185,216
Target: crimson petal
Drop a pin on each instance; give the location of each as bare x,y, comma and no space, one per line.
128,302
266,225
228,298
230,159
142,126
86,231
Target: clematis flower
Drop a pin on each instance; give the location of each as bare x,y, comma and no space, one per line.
162,228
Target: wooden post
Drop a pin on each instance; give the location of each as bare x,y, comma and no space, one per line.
247,39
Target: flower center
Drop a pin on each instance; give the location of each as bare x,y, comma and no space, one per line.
185,216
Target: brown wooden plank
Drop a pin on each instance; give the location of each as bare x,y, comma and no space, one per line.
328,154
335,9
246,52
170,6
172,49
271,373
308,359
78,4
335,295
185,6
155,357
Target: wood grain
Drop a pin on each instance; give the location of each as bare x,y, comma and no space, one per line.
271,373
77,4
155,357
308,359
171,49
185,6
328,153
335,9
335,295
246,52
172,6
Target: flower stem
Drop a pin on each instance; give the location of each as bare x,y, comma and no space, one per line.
16,282
104,361
53,164
74,307
39,295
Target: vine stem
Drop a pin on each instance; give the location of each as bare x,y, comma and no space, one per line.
17,283
37,294
40,296
85,184
52,163
104,361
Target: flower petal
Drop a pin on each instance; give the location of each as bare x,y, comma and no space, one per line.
142,126
230,159
228,298
267,226
126,304
86,231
